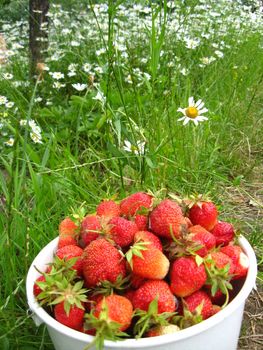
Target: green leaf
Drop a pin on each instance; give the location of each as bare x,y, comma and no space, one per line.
150,163
199,260
153,307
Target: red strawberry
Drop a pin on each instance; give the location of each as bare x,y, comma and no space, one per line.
36,288
66,240
90,229
73,319
67,227
200,303
102,261
186,276
239,259
141,221
202,237
147,262
119,309
144,295
167,217
134,203
223,232
129,294
68,232
203,214
219,268
108,209
122,231
146,236
162,330
221,260
72,251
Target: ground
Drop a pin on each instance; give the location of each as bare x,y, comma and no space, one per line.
247,205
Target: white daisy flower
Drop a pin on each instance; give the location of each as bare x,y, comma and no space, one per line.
194,112
100,97
57,75
9,104
79,87
87,67
36,137
136,149
191,43
219,53
10,142
8,76
58,85
3,100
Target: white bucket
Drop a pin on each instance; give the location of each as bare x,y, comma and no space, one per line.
219,332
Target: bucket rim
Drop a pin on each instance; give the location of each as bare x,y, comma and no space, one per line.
41,314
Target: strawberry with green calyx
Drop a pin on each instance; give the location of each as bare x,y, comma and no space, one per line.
203,212
69,252
198,302
224,233
195,308
37,285
90,229
108,209
72,317
239,259
167,218
122,231
110,318
147,262
58,287
187,276
136,203
106,288
102,261
183,246
69,227
162,330
48,284
150,318
147,292
146,236
219,269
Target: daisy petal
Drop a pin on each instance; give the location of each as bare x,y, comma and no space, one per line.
199,102
186,121
201,105
181,110
203,110
181,119
201,117
191,101
195,121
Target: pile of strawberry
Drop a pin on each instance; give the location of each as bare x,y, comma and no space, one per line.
141,267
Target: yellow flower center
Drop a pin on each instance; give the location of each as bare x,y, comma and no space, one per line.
191,112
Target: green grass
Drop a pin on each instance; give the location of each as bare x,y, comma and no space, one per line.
82,158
